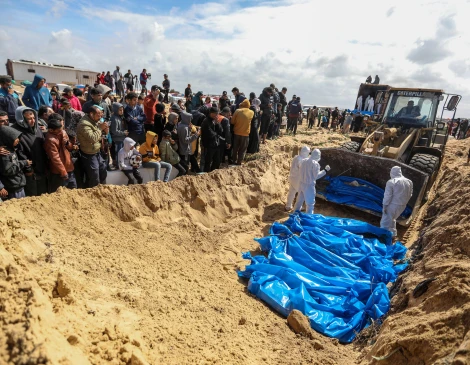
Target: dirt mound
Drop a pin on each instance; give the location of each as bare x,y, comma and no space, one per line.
147,274
430,318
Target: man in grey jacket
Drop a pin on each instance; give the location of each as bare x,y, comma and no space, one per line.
185,139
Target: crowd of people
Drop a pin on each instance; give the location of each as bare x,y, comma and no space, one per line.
72,138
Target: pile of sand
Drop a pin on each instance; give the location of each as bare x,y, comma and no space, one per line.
147,274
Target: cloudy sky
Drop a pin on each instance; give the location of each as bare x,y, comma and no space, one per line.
320,52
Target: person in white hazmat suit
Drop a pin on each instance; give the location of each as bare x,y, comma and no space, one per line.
294,176
398,192
309,173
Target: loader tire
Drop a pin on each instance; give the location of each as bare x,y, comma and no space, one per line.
425,163
351,146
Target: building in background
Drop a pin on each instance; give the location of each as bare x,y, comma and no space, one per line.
24,70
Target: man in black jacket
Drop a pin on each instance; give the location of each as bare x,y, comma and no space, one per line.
282,98
166,87
188,93
211,129
31,148
266,107
226,136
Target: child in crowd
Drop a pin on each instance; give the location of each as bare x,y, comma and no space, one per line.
140,100
168,152
151,156
57,146
11,169
124,157
55,102
75,156
159,121
118,128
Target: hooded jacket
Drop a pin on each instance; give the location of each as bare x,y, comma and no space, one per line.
149,153
8,103
135,119
125,154
31,145
89,136
241,119
184,134
118,124
196,100
74,102
11,168
60,161
310,169
294,174
399,189
34,97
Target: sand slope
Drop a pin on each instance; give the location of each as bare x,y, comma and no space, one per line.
147,274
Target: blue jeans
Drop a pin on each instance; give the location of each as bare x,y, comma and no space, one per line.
158,166
56,181
118,146
95,169
16,194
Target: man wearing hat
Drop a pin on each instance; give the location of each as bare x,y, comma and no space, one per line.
166,87
74,102
8,98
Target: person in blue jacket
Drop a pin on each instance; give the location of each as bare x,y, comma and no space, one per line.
8,98
37,94
135,118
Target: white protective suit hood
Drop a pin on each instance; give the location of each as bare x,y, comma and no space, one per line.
128,143
316,155
395,172
304,152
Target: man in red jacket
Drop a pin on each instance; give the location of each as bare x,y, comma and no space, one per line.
150,102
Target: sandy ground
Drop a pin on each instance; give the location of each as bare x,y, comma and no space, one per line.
147,274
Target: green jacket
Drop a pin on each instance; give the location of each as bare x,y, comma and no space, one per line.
89,136
168,154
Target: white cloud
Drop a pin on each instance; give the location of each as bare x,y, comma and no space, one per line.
217,45
58,7
61,38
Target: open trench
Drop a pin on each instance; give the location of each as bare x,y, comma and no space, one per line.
147,274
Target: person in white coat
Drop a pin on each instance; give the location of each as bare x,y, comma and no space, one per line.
370,105
294,176
366,103
398,192
359,103
309,173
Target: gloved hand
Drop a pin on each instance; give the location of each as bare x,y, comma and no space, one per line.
327,168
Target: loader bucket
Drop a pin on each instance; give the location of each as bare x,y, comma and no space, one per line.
375,170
